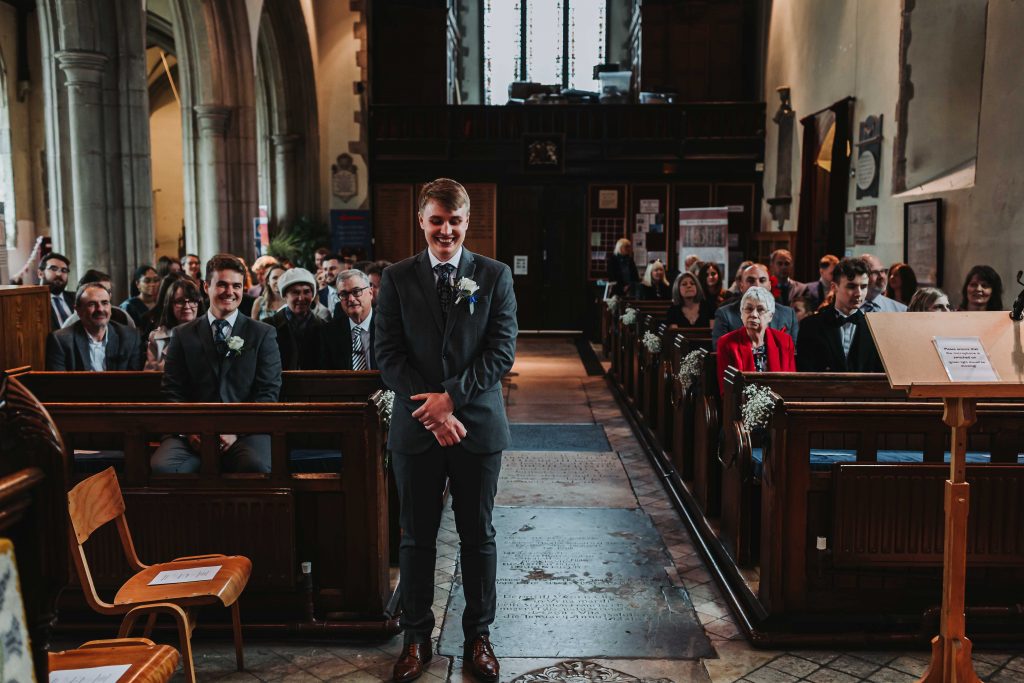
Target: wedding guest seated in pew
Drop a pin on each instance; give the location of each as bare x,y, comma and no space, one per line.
817,291
299,330
117,314
94,343
710,279
902,283
689,307
181,305
929,300
221,357
781,263
727,317
878,281
755,347
654,286
802,307
982,290
837,339
350,336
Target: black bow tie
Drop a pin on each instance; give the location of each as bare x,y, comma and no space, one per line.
857,318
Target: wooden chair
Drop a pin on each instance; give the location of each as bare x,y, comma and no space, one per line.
148,662
96,501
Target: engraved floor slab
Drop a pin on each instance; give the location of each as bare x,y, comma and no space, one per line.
564,480
559,437
583,583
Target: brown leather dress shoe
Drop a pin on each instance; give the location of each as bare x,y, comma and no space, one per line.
410,663
479,659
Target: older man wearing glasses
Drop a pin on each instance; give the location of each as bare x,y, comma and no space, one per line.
349,337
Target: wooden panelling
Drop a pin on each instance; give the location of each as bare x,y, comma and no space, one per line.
24,324
394,215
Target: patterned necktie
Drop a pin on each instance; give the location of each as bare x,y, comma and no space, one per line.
220,335
358,357
61,307
445,291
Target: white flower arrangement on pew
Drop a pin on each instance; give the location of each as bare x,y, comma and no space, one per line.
758,405
629,317
613,304
385,401
690,368
652,342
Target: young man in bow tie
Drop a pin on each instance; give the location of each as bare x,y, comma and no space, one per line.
837,339
445,336
221,357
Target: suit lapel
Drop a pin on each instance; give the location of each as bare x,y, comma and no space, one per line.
113,346
82,346
467,268
429,289
834,338
205,333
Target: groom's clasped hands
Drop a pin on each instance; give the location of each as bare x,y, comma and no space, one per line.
437,415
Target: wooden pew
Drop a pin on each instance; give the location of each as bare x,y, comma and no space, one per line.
740,488
337,520
33,522
129,387
861,542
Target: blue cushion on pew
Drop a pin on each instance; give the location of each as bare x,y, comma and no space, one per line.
314,460
822,459
302,461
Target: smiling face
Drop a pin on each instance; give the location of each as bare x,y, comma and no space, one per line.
979,291
356,298
93,309
148,284
54,274
225,287
330,268
444,230
185,306
299,298
878,275
192,266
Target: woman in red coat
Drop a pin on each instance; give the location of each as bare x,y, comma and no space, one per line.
754,347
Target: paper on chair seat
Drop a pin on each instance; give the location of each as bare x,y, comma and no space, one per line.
189,575
96,674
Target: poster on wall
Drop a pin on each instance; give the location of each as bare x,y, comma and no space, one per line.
352,233
261,228
922,240
705,234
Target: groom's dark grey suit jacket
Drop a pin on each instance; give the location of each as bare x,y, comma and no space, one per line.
417,353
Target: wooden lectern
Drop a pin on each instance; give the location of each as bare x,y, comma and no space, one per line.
906,345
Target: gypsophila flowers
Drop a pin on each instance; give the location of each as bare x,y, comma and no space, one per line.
629,317
652,342
758,406
690,368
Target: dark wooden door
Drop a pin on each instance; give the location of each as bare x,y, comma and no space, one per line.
545,223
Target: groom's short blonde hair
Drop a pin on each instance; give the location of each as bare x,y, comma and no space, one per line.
449,193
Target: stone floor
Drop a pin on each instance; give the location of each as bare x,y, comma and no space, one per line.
550,385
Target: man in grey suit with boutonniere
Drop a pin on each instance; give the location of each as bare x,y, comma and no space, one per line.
221,357
446,335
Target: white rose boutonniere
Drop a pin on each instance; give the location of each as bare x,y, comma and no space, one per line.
466,289
234,344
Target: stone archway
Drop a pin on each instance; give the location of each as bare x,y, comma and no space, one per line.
216,68
287,120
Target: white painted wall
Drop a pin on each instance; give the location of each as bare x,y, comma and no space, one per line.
825,51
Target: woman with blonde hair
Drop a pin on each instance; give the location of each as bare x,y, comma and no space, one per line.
929,300
622,269
270,301
654,284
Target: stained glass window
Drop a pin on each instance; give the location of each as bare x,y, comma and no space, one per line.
544,41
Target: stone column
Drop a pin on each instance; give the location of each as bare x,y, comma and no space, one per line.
92,248
284,176
212,121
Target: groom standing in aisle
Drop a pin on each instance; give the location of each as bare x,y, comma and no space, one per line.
446,335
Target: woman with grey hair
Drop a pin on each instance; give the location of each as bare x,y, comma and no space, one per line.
755,347
689,307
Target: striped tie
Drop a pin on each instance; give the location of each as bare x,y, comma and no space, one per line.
358,358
